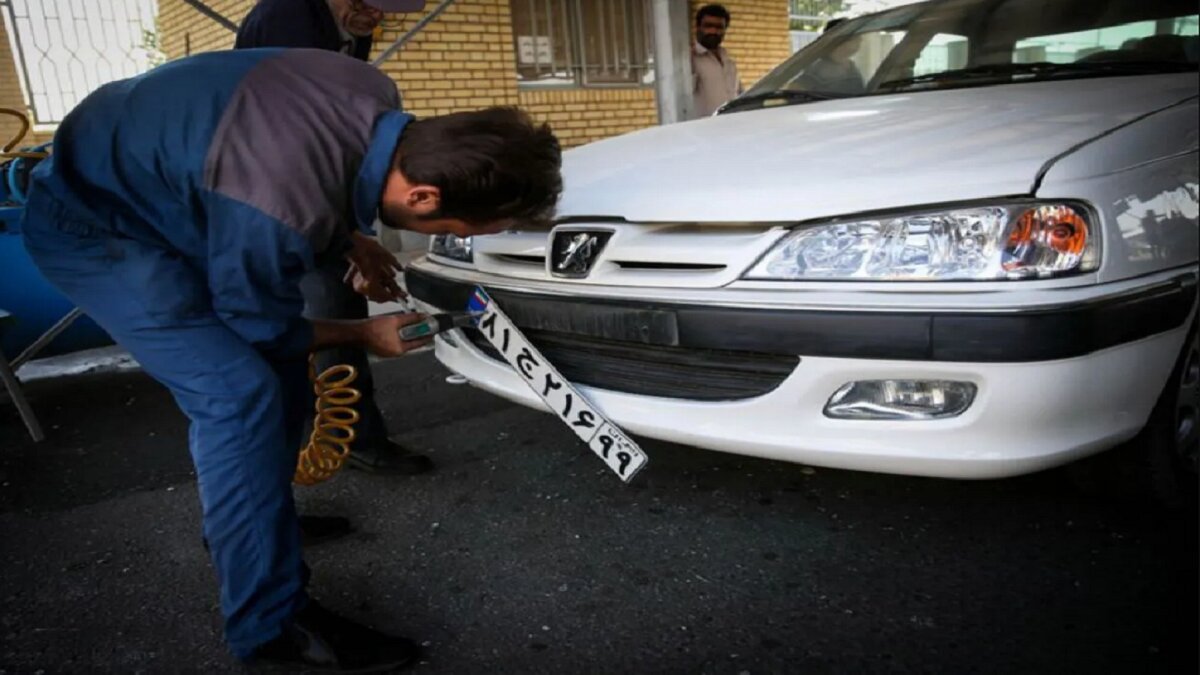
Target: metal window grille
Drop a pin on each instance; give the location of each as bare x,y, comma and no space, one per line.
66,49
582,42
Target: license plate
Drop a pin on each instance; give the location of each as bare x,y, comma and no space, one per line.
610,444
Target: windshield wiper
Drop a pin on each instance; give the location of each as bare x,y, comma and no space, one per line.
1043,69
788,96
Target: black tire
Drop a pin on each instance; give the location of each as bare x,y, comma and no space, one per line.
1159,466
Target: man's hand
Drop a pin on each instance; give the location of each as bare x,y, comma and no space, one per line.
373,269
381,335
384,290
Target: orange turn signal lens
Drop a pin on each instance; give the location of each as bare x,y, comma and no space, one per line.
1047,238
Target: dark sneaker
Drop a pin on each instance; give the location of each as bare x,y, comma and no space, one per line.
320,529
389,458
318,638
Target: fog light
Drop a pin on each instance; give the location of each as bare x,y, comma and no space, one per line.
900,400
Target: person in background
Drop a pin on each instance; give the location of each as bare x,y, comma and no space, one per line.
714,72
344,26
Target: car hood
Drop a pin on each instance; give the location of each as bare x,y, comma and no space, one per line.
815,160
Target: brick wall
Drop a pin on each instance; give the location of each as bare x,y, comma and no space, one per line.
11,96
464,60
183,30
757,37
583,115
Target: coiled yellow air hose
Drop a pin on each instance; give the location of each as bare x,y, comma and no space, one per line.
333,423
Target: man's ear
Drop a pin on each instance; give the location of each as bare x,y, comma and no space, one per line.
423,200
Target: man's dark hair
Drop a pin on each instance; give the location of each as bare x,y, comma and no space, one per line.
489,164
718,11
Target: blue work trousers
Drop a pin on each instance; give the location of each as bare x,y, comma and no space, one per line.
246,411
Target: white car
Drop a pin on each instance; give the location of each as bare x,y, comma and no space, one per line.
954,239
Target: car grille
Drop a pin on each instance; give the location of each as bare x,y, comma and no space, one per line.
654,370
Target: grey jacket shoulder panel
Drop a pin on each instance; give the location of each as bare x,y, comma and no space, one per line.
293,136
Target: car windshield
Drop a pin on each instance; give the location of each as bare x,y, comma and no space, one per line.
975,43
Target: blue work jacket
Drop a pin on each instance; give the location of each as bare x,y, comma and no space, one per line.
246,164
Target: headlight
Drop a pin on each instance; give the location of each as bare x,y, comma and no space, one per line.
1020,241
451,247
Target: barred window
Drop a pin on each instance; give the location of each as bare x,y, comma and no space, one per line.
582,43
65,49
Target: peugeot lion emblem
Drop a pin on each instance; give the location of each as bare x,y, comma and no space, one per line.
574,253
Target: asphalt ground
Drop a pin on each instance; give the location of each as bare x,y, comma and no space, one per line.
521,553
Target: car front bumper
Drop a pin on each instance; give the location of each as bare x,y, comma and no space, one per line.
1054,384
